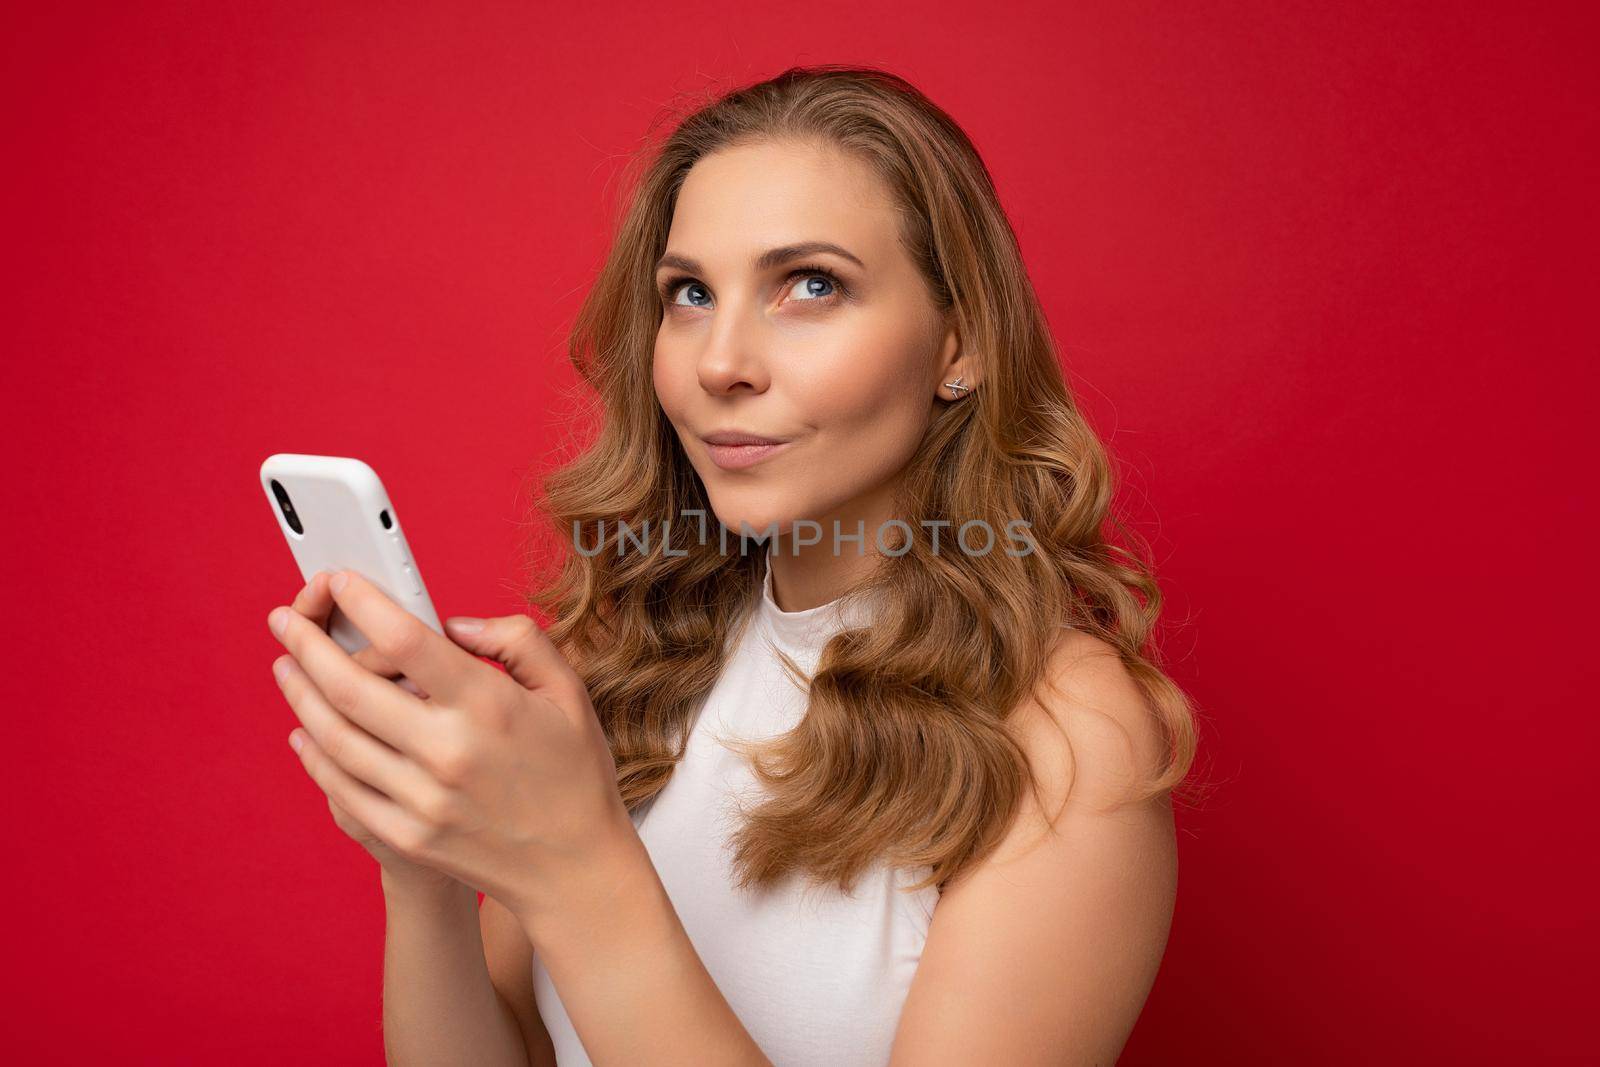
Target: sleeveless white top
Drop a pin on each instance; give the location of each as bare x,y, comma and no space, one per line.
816,976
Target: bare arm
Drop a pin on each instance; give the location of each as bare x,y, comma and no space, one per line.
510,959
457,979
1045,952
630,978
439,1005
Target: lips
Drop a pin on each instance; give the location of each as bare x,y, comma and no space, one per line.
738,437
736,450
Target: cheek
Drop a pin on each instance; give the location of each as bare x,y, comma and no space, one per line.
870,404
875,384
664,377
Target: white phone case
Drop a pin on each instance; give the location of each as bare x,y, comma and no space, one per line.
346,523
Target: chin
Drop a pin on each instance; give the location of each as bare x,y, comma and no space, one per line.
756,509
756,522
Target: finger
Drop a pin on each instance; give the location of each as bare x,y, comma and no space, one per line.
370,658
316,604
357,752
373,660
412,687
415,649
314,601
380,708
529,655
392,824
344,820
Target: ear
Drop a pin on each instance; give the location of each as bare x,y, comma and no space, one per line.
955,361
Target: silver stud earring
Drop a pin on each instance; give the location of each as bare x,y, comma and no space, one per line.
957,388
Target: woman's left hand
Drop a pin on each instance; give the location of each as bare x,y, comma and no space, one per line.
502,780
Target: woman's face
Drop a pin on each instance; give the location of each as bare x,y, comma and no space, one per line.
844,370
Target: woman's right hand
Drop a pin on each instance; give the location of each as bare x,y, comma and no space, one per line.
315,602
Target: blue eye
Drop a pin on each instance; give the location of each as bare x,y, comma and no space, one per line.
806,281
808,276
832,288
672,287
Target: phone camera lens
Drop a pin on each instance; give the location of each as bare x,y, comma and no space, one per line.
383,517
288,508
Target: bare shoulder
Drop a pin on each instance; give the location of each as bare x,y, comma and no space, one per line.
1045,949
1088,725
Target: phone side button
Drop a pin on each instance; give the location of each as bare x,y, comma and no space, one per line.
413,579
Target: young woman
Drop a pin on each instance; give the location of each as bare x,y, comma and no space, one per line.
888,779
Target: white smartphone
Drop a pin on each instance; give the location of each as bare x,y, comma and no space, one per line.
336,515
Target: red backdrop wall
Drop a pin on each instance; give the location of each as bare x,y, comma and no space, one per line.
1317,271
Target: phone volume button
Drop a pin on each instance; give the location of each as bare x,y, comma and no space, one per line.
413,579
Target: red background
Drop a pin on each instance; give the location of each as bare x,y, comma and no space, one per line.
1316,270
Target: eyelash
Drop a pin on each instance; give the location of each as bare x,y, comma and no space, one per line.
670,286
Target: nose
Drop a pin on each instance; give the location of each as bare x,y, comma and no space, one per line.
734,356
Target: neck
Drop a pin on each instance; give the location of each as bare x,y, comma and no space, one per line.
817,576
808,576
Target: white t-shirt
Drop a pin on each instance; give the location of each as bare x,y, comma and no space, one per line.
816,977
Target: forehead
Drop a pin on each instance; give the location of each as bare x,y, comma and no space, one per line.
738,202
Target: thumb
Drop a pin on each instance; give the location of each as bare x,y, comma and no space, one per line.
516,641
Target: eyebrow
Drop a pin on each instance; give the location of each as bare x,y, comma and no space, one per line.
772,257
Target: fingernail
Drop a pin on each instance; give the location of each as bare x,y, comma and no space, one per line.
464,624
280,668
295,740
278,620
337,582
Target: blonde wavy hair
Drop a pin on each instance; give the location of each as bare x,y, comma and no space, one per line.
903,754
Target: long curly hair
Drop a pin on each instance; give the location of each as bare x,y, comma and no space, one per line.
903,754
